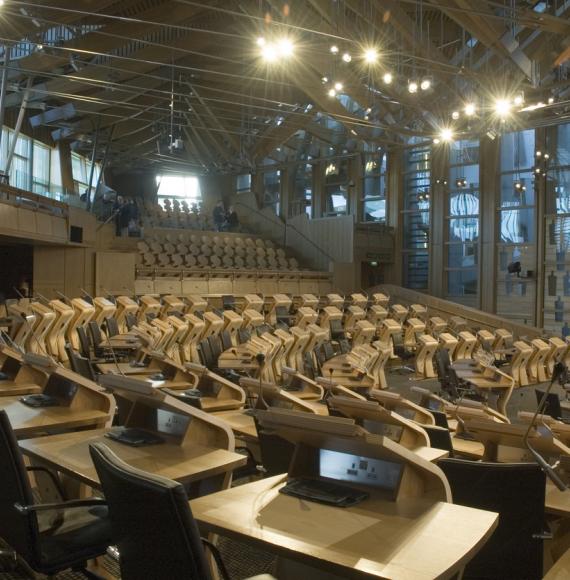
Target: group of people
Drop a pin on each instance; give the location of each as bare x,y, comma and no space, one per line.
127,216
225,220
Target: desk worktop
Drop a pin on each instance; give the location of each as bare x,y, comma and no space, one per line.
69,453
556,502
375,539
241,423
31,421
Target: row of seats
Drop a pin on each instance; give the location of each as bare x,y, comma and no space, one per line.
206,251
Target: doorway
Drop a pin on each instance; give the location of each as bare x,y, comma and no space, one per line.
16,270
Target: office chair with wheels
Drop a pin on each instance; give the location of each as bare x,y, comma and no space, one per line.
49,537
152,523
516,491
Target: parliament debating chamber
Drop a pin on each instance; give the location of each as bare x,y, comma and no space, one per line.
285,289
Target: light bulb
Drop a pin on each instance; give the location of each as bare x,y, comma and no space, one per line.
436,141
269,53
346,57
334,49
425,84
502,107
285,47
455,115
413,87
370,55
470,109
387,78
338,87
260,41
518,100
332,93
446,134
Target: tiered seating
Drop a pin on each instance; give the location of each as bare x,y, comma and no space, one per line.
198,251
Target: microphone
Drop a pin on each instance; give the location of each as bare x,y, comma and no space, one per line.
558,374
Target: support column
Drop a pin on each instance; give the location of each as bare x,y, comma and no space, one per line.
66,167
438,223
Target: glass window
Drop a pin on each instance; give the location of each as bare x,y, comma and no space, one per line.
515,296
302,201
183,188
463,221
374,187
41,168
243,183
272,190
336,187
416,216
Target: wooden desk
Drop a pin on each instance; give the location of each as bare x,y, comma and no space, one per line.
14,388
561,568
376,539
32,421
240,422
431,453
556,502
69,453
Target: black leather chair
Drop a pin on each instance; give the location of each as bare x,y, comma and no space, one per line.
80,364
49,537
516,491
84,342
552,406
112,326
276,452
152,523
439,437
130,320
440,418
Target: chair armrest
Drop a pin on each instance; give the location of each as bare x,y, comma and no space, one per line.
51,475
218,558
74,503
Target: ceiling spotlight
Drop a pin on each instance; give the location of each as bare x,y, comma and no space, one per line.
502,107
387,78
260,41
331,93
346,57
425,84
39,46
370,55
546,156
550,100
368,111
446,134
436,141
334,49
338,87
285,47
469,109
455,115
518,100
538,153
325,79
537,170
269,53
413,87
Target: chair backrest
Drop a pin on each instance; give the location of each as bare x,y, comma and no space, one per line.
151,521
80,364
215,347
440,419
552,406
226,340
112,326
95,332
276,452
439,437
84,342
130,320
206,355
516,491
243,335
20,531
442,364
228,302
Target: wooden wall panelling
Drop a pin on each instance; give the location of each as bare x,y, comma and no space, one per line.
49,270
114,272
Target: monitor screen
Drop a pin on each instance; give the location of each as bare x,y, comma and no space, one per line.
169,423
362,470
434,405
393,432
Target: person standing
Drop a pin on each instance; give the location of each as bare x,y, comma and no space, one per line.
219,215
